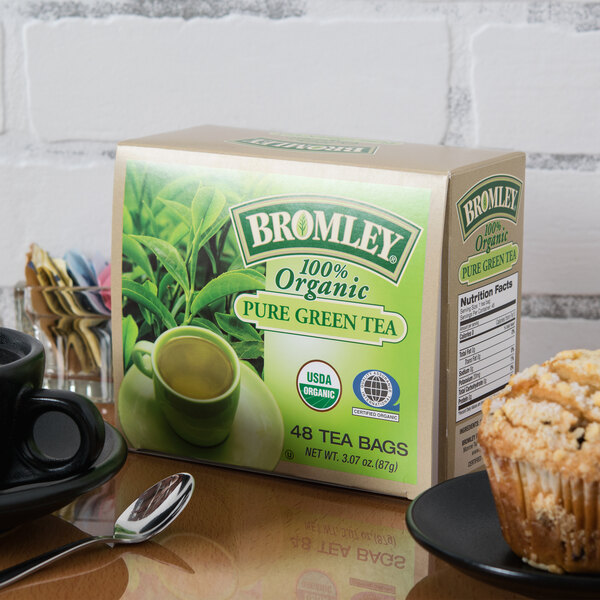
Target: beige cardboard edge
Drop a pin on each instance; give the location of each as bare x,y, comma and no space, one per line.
116,271
409,157
430,341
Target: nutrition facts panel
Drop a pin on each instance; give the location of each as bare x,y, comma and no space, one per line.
487,334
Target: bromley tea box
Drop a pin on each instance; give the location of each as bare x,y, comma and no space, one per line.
328,309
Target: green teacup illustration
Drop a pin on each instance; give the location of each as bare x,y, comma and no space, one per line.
196,376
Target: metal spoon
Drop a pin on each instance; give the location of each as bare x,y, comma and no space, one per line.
154,510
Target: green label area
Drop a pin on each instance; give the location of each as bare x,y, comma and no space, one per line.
340,228
488,264
494,197
331,319
316,285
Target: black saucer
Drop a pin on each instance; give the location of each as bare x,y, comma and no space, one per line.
23,503
457,521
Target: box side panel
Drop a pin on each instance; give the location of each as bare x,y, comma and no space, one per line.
481,296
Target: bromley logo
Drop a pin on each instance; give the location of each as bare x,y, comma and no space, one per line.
335,227
494,197
339,147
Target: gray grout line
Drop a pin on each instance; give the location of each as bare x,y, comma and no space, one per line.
584,16
555,306
186,9
563,162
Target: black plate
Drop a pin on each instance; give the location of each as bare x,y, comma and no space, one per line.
24,503
457,521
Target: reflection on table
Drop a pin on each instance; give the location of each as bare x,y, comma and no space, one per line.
243,536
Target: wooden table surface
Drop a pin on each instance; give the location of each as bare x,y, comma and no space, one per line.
242,536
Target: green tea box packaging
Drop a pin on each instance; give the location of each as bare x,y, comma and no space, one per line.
334,310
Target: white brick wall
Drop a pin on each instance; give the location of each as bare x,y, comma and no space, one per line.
59,207
561,251
75,77
1,79
544,337
89,78
537,88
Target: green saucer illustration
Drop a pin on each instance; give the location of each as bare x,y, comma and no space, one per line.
255,440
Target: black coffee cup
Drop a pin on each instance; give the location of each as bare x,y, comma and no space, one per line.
23,402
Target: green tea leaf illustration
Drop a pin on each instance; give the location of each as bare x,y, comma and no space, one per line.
182,262
165,288
180,191
136,273
134,185
169,257
178,234
143,297
230,282
202,237
179,304
207,205
249,350
301,225
231,325
127,221
149,317
136,255
206,324
180,210
148,220
130,333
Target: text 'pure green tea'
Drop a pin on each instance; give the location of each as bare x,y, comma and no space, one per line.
195,367
366,294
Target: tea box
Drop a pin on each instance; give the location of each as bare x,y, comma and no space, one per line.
329,309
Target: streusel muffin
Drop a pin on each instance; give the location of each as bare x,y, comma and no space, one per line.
540,438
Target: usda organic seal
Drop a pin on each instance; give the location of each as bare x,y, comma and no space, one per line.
319,385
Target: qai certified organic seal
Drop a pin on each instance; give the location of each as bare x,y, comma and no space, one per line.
377,390
319,385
